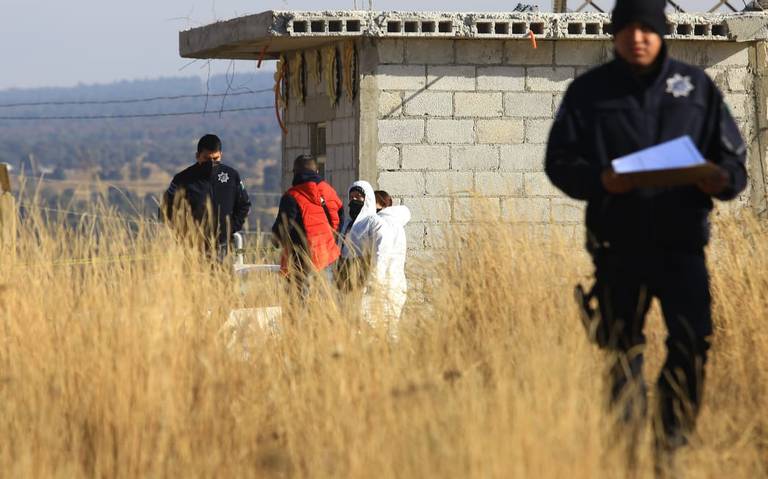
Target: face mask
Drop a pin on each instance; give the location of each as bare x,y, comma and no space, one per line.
355,206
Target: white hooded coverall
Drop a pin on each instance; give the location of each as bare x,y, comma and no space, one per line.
383,237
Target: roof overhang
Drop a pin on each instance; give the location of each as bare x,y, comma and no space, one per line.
265,35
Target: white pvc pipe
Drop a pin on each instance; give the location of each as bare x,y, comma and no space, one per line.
239,243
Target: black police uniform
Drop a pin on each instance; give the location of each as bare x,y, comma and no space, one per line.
648,242
221,185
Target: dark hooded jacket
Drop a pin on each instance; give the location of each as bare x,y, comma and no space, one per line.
290,229
610,112
221,185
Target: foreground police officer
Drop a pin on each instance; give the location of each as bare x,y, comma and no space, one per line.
210,183
647,242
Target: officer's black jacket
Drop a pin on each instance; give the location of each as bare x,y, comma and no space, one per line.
221,185
610,112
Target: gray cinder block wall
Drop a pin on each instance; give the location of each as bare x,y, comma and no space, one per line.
462,124
757,93
341,123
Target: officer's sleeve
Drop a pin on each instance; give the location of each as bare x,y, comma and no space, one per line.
727,148
288,215
566,163
165,211
242,206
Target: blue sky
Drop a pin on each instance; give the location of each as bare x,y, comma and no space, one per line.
63,43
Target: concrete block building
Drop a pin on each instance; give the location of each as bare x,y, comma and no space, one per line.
451,111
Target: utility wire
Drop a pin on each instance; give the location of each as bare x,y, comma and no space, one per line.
137,220
132,100
134,220
91,261
127,184
144,115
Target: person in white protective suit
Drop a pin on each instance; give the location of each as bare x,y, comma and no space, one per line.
395,248
376,245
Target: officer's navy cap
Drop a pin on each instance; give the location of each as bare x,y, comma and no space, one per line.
648,12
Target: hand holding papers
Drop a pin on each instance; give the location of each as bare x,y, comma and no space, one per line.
673,163
616,184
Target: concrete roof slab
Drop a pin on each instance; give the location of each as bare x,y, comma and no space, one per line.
269,33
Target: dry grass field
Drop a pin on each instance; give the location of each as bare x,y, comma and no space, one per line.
119,368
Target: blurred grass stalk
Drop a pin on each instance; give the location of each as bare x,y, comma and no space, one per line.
121,369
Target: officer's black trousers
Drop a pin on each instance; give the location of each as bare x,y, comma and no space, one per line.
626,285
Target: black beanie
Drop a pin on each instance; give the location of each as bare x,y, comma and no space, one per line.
648,12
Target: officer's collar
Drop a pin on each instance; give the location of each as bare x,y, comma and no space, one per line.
207,165
656,74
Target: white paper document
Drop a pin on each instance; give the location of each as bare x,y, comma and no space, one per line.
675,154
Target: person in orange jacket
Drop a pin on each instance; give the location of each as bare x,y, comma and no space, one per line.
307,224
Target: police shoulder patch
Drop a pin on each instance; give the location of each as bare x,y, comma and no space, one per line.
679,85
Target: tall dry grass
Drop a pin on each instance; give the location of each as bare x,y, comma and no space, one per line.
120,369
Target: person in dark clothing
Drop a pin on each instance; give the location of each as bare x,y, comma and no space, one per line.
647,242
307,224
214,194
